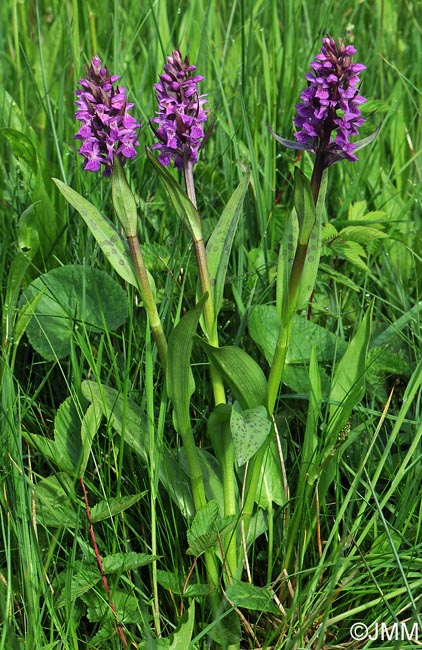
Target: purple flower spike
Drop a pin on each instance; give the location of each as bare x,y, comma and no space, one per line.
180,115
107,128
329,113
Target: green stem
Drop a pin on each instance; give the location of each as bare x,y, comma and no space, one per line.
148,297
279,360
227,460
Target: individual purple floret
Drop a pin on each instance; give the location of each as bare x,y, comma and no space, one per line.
180,115
329,113
107,128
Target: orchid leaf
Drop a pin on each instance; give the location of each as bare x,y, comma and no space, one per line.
111,242
220,243
181,202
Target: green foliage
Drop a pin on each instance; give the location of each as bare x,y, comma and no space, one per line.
334,534
71,297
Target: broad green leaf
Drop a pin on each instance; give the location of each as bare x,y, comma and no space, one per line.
220,242
181,202
211,473
84,577
183,635
304,205
124,201
248,596
72,296
178,373
244,376
114,506
127,611
264,325
249,429
54,506
348,381
112,244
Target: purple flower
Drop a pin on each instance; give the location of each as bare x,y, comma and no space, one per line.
329,113
107,128
180,115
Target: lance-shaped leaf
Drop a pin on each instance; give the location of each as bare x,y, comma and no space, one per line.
348,381
220,243
179,378
124,201
181,202
305,206
113,245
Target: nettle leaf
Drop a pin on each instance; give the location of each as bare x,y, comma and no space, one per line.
126,606
114,506
54,505
207,528
73,296
84,578
171,581
202,533
248,596
249,429
329,231
361,234
125,416
119,562
351,251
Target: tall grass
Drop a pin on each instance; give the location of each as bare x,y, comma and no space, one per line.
355,553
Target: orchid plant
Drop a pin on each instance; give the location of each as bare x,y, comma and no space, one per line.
242,426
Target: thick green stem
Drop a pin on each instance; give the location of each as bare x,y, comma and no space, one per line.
148,297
